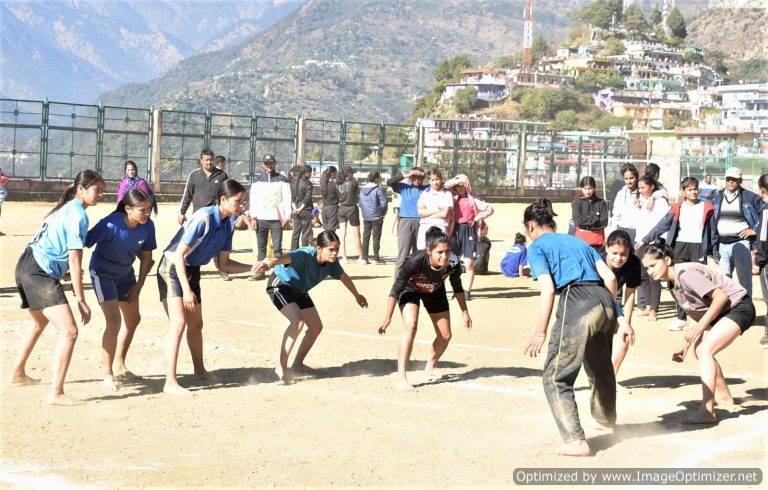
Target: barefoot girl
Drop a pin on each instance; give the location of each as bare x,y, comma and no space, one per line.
56,250
719,310
421,279
206,234
119,239
288,287
626,266
583,327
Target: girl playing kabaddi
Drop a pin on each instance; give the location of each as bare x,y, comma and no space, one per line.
719,310
119,239
421,279
584,324
56,250
626,266
206,234
288,287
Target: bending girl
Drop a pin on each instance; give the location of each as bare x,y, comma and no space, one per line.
421,280
288,288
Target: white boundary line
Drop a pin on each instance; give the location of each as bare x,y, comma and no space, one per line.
711,450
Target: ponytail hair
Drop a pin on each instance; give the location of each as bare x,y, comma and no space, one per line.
84,179
435,236
228,188
519,239
659,249
540,212
326,238
132,198
326,176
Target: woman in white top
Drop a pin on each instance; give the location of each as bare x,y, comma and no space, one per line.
435,207
625,206
651,210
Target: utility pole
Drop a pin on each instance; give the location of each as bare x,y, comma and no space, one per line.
527,64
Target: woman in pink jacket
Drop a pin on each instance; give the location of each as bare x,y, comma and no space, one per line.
133,181
468,212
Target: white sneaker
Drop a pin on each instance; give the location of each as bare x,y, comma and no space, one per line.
676,325
362,261
224,276
343,260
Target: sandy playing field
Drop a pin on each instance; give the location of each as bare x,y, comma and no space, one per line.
347,426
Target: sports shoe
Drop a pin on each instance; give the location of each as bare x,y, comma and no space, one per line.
342,260
362,261
676,325
764,342
224,276
379,261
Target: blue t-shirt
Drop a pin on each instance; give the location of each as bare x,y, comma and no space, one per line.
206,233
409,198
117,245
513,259
304,272
566,258
61,232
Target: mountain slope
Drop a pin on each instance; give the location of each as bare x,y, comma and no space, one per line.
76,49
354,58
740,33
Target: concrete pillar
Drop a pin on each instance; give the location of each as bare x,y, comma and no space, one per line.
521,150
157,140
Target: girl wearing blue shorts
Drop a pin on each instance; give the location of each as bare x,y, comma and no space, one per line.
207,234
295,274
56,250
119,239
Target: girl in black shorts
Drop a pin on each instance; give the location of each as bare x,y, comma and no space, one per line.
421,279
55,252
719,310
295,274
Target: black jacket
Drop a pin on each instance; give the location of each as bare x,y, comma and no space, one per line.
201,189
590,214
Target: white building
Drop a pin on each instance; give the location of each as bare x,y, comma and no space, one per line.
745,107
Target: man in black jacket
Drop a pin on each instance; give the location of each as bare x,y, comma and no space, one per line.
202,185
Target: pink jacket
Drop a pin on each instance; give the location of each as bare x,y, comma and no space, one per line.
481,208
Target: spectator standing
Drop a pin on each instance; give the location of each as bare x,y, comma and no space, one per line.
301,195
349,213
373,205
270,208
202,185
408,218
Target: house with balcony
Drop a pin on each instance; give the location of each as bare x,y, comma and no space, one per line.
744,107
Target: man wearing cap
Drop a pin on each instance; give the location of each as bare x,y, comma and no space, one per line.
270,208
408,227
349,212
301,195
736,220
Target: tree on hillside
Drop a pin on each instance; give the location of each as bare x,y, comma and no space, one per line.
449,70
541,48
599,13
544,104
716,59
591,81
565,120
676,24
656,18
614,47
634,20
465,100
508,61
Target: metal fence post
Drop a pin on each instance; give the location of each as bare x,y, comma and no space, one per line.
455,157
488,163
99,137
522,149
207,130
155,160
579,162
252,153
44,140
380,149
551,156
342,142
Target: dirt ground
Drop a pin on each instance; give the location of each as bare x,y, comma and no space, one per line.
347,426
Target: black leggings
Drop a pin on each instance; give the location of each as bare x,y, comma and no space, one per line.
651,287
